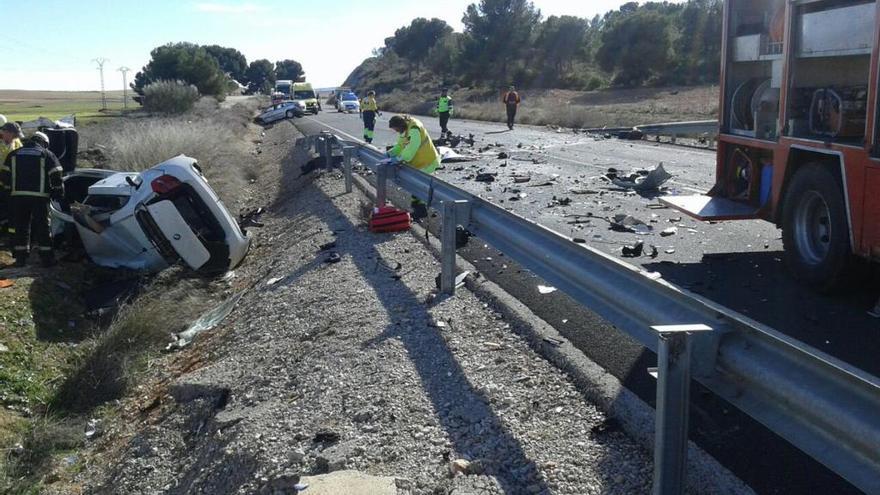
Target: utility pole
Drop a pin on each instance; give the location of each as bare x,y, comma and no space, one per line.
124,71
101,61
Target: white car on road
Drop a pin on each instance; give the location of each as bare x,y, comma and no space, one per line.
283,110
150,220
348,103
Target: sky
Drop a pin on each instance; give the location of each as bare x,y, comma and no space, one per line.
329,39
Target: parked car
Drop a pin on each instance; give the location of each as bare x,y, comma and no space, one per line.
150,220
347,103
284,110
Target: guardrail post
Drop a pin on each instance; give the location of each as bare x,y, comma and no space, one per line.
381,184
328,153
451,211
673,399
347,158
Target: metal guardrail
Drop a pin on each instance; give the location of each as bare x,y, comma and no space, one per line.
695,128
825,407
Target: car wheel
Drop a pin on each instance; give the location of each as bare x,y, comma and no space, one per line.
289,114
815,230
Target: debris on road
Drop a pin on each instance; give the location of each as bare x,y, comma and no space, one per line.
668,232
448,155
559,202
633,251
519,179
6,283
583,191
628,223
205,322
274,280
485,177
642,181
544,289
333,257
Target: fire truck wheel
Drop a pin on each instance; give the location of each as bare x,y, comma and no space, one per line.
815,230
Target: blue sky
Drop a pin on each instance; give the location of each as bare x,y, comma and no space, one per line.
328,38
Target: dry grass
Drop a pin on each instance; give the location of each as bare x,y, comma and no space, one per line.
579,109
86,105
209,133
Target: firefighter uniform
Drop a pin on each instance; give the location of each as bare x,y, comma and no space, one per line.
30,177
444,111
369,110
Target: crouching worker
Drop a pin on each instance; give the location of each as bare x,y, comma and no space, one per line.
30,178
415,149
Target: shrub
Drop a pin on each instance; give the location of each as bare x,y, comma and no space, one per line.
594,83
170,97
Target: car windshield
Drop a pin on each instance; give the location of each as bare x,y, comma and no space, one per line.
304,94
349,97
283,90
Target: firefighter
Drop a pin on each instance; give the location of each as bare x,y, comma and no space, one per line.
511,101
415,149
31,176
369,112
10,138
444,111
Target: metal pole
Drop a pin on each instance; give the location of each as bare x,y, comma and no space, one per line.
124,71
673,396
447,249
347,158
381,184
101,61
328,153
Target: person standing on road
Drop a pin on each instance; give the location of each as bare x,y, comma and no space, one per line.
511,101
369,111
30,177
444,111
415,149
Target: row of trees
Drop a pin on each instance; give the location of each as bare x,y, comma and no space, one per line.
509,41
213,69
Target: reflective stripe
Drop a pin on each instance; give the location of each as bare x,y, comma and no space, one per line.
21,248
14,168
44,248
4,168
43,175
55,170
30,193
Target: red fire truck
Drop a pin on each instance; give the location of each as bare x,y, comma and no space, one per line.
799,140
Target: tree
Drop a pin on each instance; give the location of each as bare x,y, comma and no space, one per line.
261,76
561,41
635,46
444,57
499,32
288,69
231,61
185,62
698,47
413,42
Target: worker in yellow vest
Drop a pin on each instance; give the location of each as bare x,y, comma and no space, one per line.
415,149
369,111
10,140
444,111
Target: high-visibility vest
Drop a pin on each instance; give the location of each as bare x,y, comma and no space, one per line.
6,149
427,154
444,104
369,105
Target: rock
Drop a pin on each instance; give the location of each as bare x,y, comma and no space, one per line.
297,456
350,483
363,416
459,466
335,458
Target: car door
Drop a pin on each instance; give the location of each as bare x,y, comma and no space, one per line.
179,234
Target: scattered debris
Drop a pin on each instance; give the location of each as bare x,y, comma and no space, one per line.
274,280
206,322
668,232
628,223
251,218
559,202
634,251
458,467
519,179
448,155
670,251
544,289
333,257
326,246
583,191
579,240
93,429
641,181
6,283
486,177
503,156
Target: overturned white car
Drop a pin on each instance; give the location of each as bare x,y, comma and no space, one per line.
149,220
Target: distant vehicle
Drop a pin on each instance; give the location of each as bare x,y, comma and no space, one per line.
348,103
283,110
150,220
302,91
284,86
336,96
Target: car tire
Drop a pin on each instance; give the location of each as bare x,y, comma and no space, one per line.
815,230
289,114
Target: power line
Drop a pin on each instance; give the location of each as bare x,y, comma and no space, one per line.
101,61
124,71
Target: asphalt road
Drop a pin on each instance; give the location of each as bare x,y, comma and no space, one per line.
738,264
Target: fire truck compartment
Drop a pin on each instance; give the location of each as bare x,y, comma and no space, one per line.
708,208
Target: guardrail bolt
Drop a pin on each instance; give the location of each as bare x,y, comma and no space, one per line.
673,396
348,158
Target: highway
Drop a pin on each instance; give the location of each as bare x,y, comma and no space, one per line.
738,264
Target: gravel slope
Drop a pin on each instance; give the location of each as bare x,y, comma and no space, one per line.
358,365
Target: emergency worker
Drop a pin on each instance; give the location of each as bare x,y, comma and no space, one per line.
10,140
415,149
369,112
30,177
444,111
511,101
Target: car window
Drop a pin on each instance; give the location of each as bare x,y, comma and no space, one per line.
349,97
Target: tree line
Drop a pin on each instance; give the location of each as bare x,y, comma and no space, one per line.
214,70
509,41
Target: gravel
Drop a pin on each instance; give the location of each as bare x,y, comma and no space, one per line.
360,365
